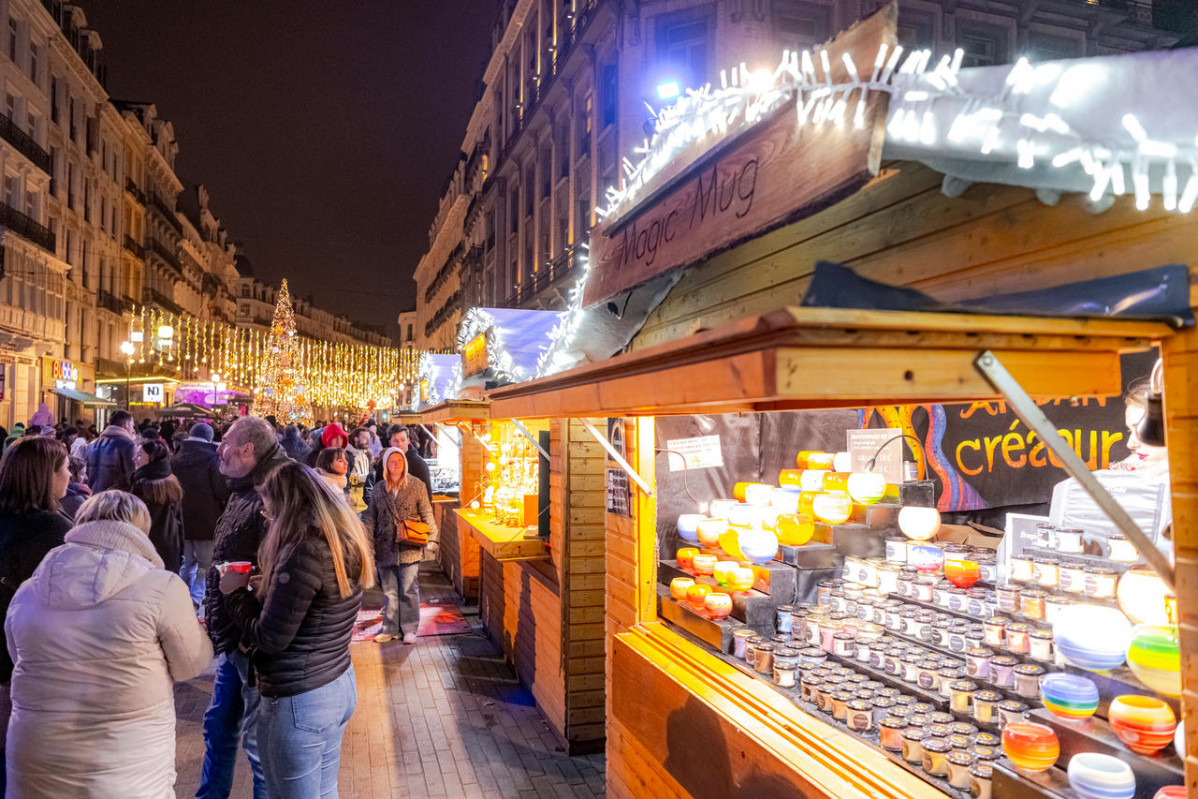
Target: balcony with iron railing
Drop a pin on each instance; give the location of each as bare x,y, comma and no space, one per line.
166,254
165,211
28,227
110,302
137,193
135,248
152,296
24,143
553,273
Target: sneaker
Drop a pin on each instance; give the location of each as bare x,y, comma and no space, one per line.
409,638
383,638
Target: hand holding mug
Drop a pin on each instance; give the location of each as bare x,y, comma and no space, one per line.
234,575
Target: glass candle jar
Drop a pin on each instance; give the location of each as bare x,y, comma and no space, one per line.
1002,671
1121,550
938,730
751,648
836,600
928,678
896,551
940,717
890,731
918,720
913,738
977,603
812,656
811,624
862,651
924,585
893,663
784,618
988,568
1017,638
962,694
957,598
963,728
786,656
977,663
740,642
911,662
840,704
1031,604
907,619
784,675
1046,537
959,742
1007,597
1012,710
1041,646
844,645
1027,680
985,705
1100,582
988,740
981,780
922,707
888,578
949,675
935,757
780,641
763,659
810,688
1073,578
1021,568
958,768
859,715
824,591
887,693
827,632
881,707
995,630
1069,540
956,636
1054,606
1046,572
905,584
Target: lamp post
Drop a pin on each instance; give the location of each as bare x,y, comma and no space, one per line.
215,378
127,349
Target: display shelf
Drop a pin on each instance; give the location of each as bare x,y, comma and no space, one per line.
1010,782
752,608
713,633
1095,735
503,543
1091,560
811,556
923,695
852,540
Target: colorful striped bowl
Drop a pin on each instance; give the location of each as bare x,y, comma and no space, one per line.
1096,776
1071,697
1092,637
1030,746
794,530
688,527
1171,792
1145,724
1154,658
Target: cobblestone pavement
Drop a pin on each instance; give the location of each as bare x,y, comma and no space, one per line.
444,718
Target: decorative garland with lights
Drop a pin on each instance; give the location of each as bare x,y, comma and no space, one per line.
478,321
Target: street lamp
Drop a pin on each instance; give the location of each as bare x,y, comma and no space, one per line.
127,349
215,377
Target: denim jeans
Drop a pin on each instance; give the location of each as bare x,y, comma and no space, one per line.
233,714
401,598
300,738
197,560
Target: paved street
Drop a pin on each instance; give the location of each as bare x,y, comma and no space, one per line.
446,717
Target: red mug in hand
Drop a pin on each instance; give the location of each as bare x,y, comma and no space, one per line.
240,566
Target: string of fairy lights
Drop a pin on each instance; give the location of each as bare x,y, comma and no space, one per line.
346,376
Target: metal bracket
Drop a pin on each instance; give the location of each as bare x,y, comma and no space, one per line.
1029,413
617,457
530,437
445,430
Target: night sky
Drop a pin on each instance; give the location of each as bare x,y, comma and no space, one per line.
324,131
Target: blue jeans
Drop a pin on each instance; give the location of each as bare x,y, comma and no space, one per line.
401,598
197,560
233,714
301,735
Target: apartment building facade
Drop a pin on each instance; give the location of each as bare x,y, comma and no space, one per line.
567,93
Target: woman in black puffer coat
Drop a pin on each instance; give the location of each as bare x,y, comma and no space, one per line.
155,485
297,619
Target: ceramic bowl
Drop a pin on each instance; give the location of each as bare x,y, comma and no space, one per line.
744,515
679,586
834,481
817,460
1069,696
1145,724
785,499
757,545
709,531
741,490
867,487
759,494
1030,746
1097,776
688,527
1154,658
741,579
790,478
794,530
686,557
1171,792
696,595
704,564
1092,637
925,557
722,569
832,507
962,573
718,605
919,524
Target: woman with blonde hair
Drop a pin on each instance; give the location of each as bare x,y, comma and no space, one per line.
99,635
399,498
297,619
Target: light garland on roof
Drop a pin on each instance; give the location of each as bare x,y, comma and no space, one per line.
503,367
428,373
555,358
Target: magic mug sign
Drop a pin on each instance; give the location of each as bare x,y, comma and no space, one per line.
755,179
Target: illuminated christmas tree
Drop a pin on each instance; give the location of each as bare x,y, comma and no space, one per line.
282,387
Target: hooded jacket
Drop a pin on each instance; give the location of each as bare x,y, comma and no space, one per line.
101,616
154,485
110,460
294,446
205,489
239,532
387,509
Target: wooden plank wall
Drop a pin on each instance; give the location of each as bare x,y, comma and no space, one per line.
902,230
459,550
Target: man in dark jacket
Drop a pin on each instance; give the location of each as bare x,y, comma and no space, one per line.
205,492
110,457
249,452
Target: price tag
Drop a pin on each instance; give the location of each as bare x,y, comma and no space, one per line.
864,444
703,452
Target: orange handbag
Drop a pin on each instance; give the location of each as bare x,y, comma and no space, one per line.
413,532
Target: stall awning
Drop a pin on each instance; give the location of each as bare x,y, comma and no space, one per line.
82,396
807,358
456,411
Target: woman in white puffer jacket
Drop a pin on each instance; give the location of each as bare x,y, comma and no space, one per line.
99,635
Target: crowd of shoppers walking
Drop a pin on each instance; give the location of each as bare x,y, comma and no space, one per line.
130,557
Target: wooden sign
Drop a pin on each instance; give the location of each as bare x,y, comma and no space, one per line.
752,181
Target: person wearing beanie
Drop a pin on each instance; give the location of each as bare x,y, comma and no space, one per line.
333,435
205,491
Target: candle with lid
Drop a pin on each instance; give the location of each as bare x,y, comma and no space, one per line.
935,757
977,663
1007,597
784,675
890,731
1073,578
1012,710
1121,550
1100,582
981,780
1069,540
740,640
1041,646
859,715
1002,671
1031,603
962,692
1046,572
958,768
913,738
1021,568
1027,680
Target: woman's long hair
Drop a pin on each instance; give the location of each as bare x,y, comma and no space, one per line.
403,476
327,457
27,475
303,503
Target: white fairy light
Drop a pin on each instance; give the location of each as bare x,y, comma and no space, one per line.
1134,127
1189,194
1169,186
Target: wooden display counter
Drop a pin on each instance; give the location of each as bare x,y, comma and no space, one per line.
501,542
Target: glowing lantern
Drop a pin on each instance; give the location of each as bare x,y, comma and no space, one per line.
709,531
790,477
813,479
832,507
820,460
962,573
836,481
729,542
1145,724
696,595
1031,746
1069,696
744,515
866,487
679,586
757,546
740,490
704,564
1097,776
842,462
785,499
718,605
1092,637
722,569
919,524
741,579
720,508
925,557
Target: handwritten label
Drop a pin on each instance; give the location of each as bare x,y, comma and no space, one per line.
864,444
703,452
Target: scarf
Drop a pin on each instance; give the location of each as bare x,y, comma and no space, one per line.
154,470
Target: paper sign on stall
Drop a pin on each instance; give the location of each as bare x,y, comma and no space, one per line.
864,444
703,452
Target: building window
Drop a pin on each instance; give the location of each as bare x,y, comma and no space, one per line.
984,45
1046,47
514,210
12,39
10,191
610,99
10,107
916,30
34,61
31,204
584,125
54,100
74,129
31,125
70,185
682,40
802,24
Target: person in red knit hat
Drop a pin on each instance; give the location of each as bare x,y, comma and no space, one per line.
333,435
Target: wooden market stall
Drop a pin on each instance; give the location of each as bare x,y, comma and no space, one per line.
536,570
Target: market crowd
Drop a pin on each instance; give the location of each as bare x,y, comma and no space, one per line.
132,555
